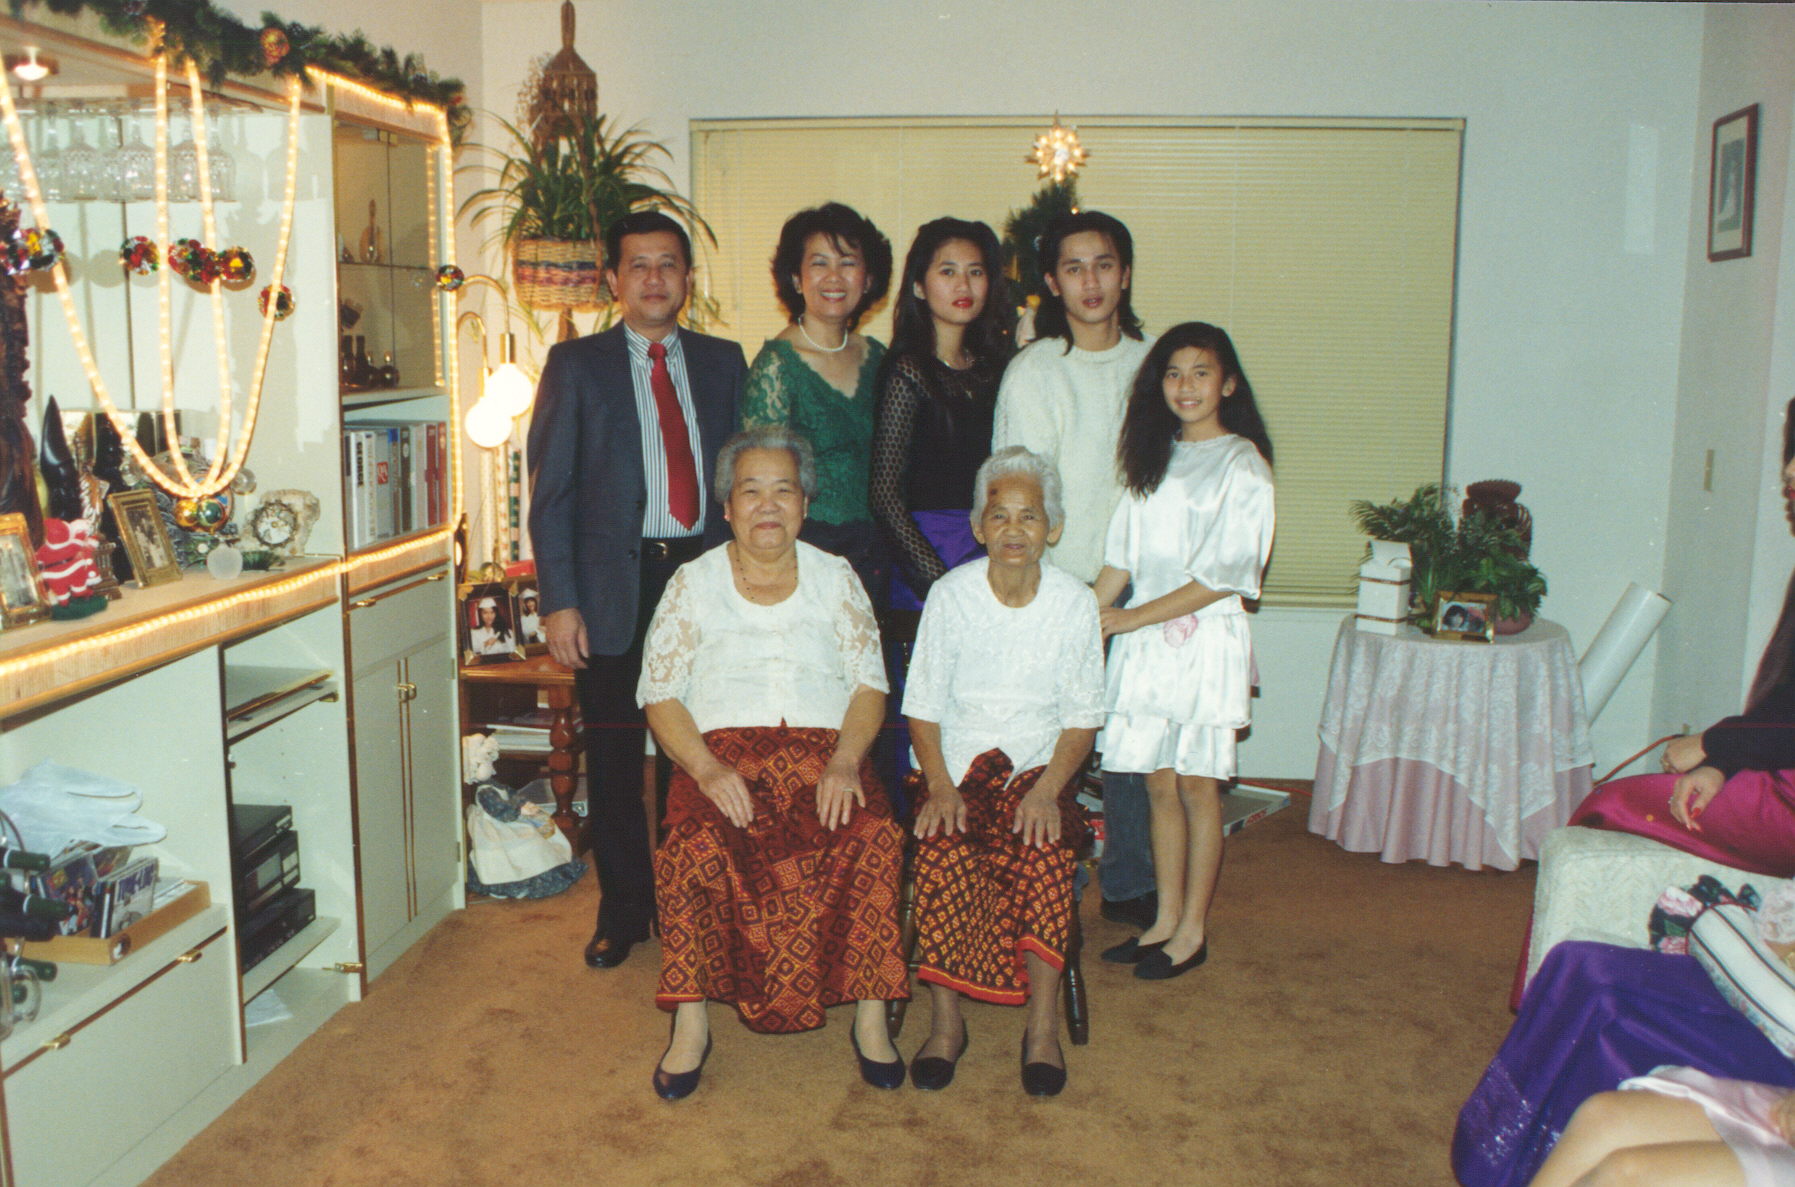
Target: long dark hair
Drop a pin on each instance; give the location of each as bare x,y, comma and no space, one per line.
1779,654
913,328
1149,426
1050,318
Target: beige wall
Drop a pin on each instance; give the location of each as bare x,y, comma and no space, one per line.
1729,548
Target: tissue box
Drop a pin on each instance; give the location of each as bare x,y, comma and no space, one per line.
1384,588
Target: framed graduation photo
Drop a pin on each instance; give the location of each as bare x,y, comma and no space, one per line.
489,624
145,537
1732,184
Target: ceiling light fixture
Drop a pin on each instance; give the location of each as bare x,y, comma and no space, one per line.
31,67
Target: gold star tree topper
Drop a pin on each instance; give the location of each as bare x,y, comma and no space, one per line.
1057,153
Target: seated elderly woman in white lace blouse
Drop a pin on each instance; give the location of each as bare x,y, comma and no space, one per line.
1004,698
763,680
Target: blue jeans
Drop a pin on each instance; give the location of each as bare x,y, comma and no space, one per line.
1126,867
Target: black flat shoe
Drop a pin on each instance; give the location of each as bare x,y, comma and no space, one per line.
1157,966
934,1073
879,1075
679,1085
1131,951
1041,1079
606,952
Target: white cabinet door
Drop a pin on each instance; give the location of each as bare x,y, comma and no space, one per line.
382,841
132,1065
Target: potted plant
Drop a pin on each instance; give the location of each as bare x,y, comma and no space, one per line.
1472,553
555,197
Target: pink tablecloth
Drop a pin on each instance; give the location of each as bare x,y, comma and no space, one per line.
1456,753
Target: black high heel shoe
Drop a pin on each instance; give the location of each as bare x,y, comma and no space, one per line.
879,1075
679,1085
934,1073
1131,951
1041,1079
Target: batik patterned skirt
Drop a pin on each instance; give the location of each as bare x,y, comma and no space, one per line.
784,917
984,899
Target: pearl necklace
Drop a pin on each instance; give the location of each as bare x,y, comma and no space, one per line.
822,349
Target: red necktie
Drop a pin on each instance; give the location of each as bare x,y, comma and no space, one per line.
682,473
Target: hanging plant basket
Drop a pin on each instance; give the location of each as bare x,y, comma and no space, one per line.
556,274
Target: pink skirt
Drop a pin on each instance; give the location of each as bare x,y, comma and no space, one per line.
1740,1113
1750,825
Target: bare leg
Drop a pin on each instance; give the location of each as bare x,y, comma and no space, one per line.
1171,848
1200,801
870,1029
946,1024
1041,1041
1615,1134
691,1029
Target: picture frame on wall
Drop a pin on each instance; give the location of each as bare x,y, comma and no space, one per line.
1732,184
489,620
145,537
1465,617
23,597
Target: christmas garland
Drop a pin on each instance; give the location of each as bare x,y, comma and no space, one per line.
221,45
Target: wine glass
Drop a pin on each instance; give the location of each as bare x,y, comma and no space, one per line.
83,166
183,171
136,167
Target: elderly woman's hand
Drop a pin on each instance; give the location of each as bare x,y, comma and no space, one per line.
1692,794
1038,817
943,812
1782,1115
837,793
1684,754
725,787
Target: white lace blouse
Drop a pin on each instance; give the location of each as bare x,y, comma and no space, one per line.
734,663
1002,677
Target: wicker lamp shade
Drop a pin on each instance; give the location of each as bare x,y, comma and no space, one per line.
568,93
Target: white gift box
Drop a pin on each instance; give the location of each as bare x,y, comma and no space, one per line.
1384,588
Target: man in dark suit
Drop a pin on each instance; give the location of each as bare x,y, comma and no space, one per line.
622,447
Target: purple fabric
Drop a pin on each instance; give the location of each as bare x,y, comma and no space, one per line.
1403,809
1594,1016
951,534
1750,825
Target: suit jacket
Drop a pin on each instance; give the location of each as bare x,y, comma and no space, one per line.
587,489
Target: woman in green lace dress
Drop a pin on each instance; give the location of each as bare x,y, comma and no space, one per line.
819,377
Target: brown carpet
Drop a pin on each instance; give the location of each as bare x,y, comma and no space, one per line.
1347,1009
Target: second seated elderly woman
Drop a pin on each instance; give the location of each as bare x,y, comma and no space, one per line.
1004,699
817,375
777,882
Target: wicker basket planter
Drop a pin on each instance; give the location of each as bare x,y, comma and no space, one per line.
556,274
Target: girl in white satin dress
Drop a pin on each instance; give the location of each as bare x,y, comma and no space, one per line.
1191,538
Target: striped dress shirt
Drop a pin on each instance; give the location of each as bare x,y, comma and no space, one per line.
657,521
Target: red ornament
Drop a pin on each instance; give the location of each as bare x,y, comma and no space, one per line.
139,255
274,46
236,266
283,303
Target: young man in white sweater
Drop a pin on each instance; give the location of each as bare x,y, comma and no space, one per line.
1063,397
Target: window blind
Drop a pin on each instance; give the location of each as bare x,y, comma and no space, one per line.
1326,248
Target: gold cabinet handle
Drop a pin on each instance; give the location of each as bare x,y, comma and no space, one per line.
363,604
407,691
193,957
437,577
59,1042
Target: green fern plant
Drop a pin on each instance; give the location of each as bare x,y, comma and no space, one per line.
1462,554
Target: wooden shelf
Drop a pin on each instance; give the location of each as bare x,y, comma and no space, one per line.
52,661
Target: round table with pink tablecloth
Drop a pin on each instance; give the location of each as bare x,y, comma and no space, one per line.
1456,753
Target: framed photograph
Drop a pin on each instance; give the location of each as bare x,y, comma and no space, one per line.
145,537
1466,617
1732,184
23,598
489,623
529,615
